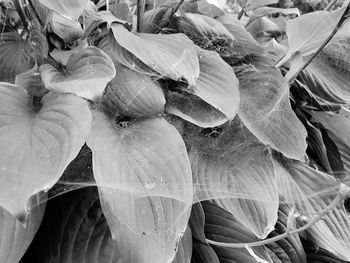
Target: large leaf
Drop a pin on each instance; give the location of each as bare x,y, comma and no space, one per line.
328,74
184,251
72,9
310,191
86,75
266,111
66,28
319,255
145,184
133,94
202,7
254,4
18,55
36,147
15,238
231,166
173,56
193,109
221,226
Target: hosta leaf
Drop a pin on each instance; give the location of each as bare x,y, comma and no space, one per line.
18,55
155,20
310,191
328,74
62,56
254,4
308,32
320,255
66,28
289,249
265,109
202,7
264,11
72,9
191,108
133,94
173,56
264,27
32,82
243,43
217,83
36,147
145,184
86,75
14,237
221,226
232,167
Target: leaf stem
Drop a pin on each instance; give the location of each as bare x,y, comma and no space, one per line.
176,8
325,43
343,193
330,5
241,13
22,15
140,13
36,13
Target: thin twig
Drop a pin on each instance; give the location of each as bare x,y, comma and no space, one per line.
140,13
176,8
325,43
36,13
330,5
342,195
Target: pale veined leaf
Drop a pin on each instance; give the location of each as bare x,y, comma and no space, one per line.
207,33
232,167
264,11
133,94
145,184
327,76
202,7
86,75
254,4
308,32
193,109
184,251
18,55
173,56
155,20
217,83
35,146
310,191
72,9
14,237
266,111
221,226
243,43
289,249
66,28
317,254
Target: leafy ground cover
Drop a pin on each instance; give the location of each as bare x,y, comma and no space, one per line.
171,131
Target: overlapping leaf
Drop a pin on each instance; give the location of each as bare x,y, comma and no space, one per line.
86,75
221,226
66,28
265,109
310,191
14,237
133,94
230,166
191,108
145,184
202,7
254,4
36,147
173,56
184,251
72,9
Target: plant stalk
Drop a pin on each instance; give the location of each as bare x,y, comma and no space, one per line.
330,5
177,7
36,13
22,15
140,13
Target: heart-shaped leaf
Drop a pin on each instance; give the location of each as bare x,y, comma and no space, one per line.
173,56
72,9
86,75
15,238
232,167
145,184
133,94
266,111
36,147
217,84
221,226
191,108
